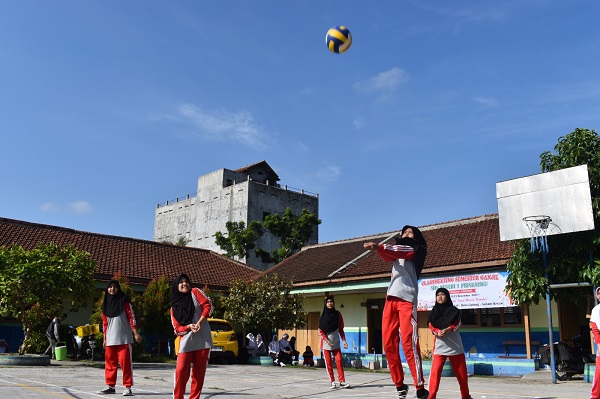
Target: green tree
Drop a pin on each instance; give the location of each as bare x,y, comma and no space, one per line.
36,285
292,233
264,304
240,240
217,299
181,242
573,257
156,307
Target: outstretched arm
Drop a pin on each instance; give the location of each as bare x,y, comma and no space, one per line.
390,253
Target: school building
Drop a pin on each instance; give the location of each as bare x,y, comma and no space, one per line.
464,256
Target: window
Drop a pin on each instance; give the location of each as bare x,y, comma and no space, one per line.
492,317
512,315
469,317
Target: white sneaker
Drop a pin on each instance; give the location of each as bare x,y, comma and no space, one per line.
127,392
333,385
282,364
344,385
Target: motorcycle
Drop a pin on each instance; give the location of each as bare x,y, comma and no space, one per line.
84,346
570,357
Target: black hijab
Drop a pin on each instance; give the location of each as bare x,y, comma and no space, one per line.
183,304
442,315
419,245
330,318
112,306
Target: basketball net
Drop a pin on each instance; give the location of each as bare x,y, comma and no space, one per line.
538,229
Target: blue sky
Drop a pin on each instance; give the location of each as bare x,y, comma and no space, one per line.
109,107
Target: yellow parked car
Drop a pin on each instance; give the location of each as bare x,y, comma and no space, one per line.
225,344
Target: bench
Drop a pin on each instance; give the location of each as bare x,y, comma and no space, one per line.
508,344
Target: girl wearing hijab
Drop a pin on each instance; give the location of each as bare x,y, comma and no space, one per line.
331,328
285,351
118,321
251,347
274,350
260,345
400,310
307,357
190,309
444,322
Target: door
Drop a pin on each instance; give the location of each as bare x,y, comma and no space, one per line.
374,316
312,326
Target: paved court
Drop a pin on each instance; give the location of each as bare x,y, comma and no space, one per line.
77,380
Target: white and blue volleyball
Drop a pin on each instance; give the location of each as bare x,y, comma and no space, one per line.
338,39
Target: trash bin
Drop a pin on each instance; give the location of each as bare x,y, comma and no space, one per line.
60,351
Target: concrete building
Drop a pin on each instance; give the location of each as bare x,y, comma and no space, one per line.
241,195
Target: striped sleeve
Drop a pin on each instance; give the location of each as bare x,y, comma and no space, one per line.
204,301
130,315
390,253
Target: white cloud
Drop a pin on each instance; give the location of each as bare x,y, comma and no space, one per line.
359,122
302,148
48,207
306,91
486,102
80,207
329,173
222,125
384,82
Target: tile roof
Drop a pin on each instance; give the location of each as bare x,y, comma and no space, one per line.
258,165
459,245
139,260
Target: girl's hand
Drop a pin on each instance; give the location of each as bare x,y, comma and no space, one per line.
345,345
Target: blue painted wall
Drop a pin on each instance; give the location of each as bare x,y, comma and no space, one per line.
489,343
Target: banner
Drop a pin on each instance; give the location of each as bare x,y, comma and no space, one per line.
468,291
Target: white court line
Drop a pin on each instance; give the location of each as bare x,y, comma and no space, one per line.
57,386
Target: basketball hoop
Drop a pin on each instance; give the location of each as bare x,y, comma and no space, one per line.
539,226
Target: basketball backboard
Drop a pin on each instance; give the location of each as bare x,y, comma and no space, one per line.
564,195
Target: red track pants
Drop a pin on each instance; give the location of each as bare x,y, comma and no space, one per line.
115,355
400,319
182,373
595,394
339,363
459,366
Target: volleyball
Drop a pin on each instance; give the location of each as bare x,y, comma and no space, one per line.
338,39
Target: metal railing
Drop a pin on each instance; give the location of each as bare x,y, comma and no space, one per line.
285,187
176,200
